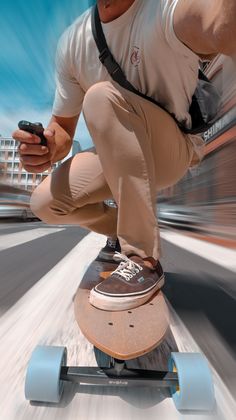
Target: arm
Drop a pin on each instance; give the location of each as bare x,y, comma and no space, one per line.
67,102
36,158
64,129
207,27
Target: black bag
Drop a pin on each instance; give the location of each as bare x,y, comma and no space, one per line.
205,101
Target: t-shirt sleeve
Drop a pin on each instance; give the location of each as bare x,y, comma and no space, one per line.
69,94
167,20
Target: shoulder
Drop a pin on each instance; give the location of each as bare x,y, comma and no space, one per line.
73,33
168,11
194,22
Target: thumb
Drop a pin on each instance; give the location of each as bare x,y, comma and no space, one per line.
49,133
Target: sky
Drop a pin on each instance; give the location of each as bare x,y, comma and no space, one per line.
29,33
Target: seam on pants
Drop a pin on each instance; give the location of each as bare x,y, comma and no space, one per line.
145,171
156,245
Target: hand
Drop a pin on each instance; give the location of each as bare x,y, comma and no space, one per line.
34,157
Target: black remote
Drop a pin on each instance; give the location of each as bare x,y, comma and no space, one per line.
33,128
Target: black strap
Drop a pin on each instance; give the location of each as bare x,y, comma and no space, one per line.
110,63
105,55
115,70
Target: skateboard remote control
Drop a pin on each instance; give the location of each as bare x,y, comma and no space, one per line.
33,128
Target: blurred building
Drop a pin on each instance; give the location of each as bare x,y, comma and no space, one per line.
11,170
205,199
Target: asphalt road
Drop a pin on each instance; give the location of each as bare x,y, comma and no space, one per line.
40,268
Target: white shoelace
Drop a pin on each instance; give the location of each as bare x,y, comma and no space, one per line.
127,268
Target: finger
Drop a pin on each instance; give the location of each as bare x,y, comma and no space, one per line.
27,149
38,169
34,160
49,134
25,137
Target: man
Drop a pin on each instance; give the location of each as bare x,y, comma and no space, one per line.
140,149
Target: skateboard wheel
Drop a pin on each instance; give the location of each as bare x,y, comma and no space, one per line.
43,374
195,390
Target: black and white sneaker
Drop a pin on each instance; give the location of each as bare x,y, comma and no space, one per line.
132,284
107,252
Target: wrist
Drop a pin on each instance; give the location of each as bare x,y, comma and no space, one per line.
63,142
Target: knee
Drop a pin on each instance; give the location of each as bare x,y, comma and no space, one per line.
96,102
44,209
35,201
97,94
36,204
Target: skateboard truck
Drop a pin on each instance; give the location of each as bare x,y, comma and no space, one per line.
188,377
118,375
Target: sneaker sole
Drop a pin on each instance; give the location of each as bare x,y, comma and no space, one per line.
109,303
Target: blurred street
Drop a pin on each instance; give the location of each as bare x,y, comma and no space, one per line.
40,269
41,265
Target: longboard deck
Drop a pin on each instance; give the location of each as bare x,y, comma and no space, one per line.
125,334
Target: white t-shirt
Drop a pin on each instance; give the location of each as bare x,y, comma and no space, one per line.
143,42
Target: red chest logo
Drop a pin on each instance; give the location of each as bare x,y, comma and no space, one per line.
135,57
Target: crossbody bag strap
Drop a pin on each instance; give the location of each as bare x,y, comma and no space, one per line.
113,67
105,55
109,61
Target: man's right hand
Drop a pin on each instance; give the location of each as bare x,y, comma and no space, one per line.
34,157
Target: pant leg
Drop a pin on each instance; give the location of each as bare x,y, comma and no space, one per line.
74,194
141,150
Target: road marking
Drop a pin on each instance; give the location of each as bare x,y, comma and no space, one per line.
18,238
217,254
44,315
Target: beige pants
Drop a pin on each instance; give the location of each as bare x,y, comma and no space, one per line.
140,150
